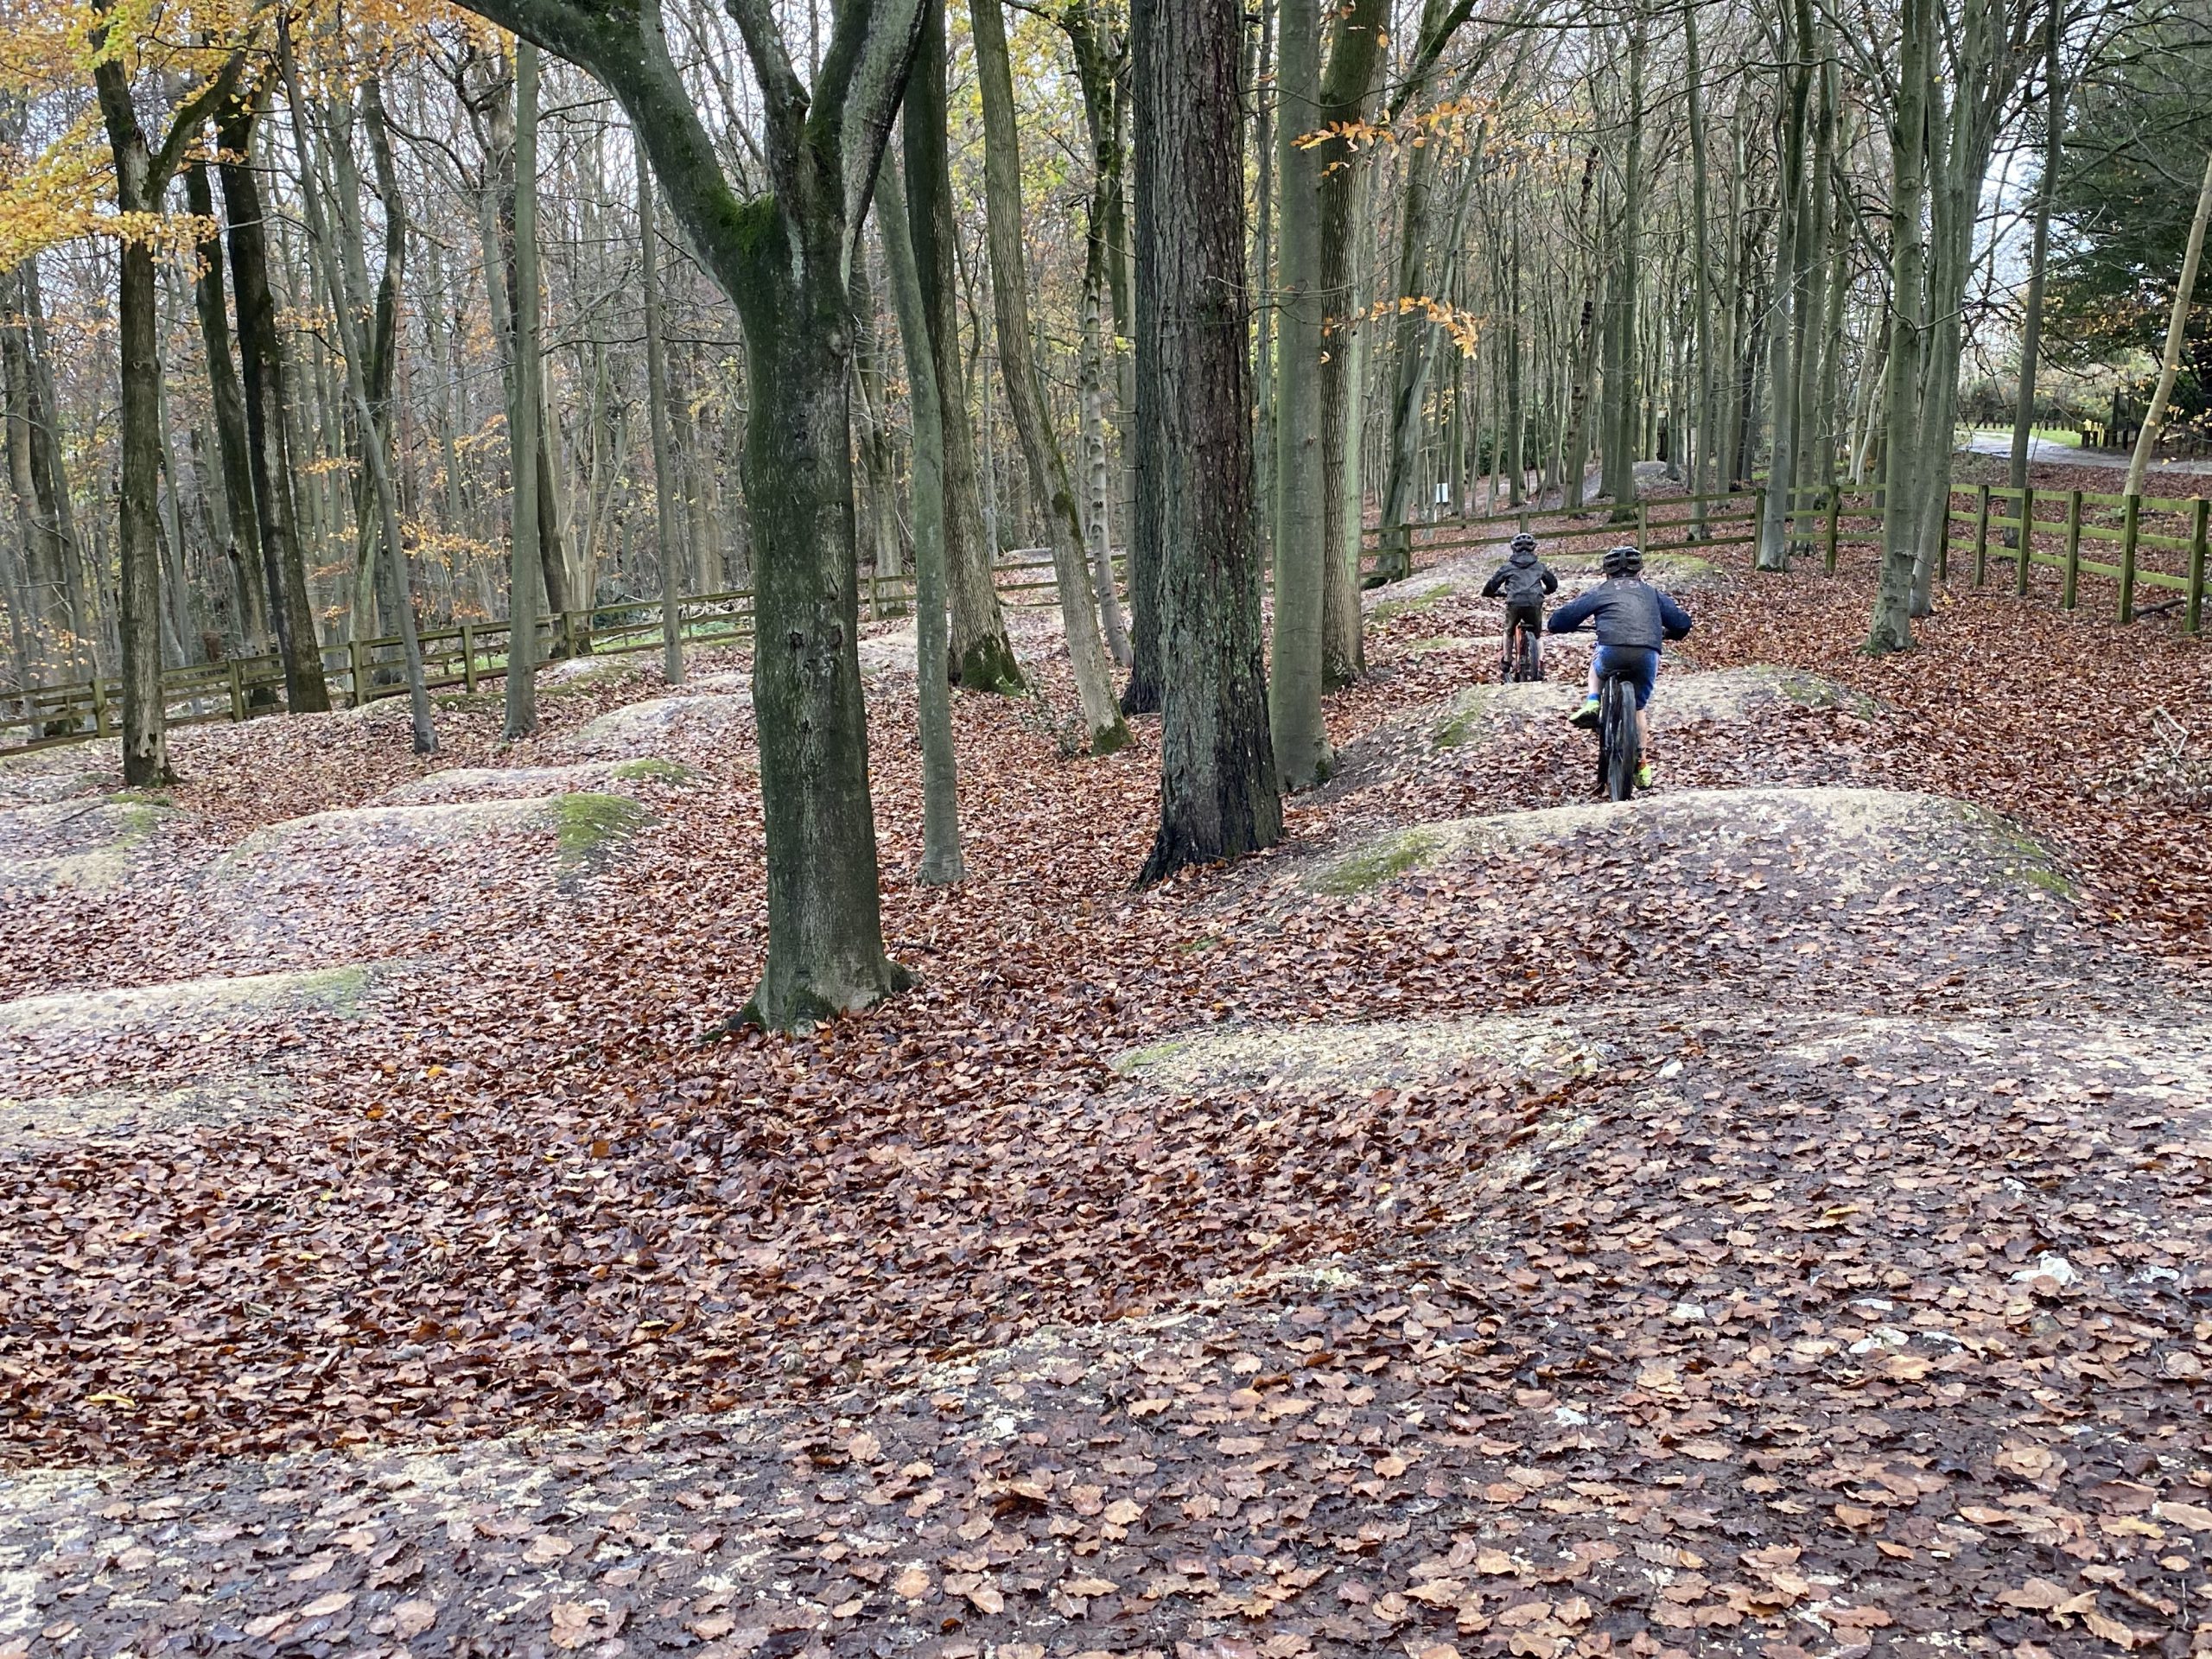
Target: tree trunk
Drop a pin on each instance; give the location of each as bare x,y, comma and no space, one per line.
1783,393
1025,387
374,437
664,529
1890,628
982,657
1624,426
2054,139
1348,90
2176,330
226,400
902,230
261,355
1294,717
1219,794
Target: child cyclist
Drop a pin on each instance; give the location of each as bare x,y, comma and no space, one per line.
1523,579
1633,619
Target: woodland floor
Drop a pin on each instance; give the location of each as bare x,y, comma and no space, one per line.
1769,1217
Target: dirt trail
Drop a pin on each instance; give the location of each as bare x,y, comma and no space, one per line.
1767,1217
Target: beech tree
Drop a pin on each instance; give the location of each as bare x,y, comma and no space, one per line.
1218,791
783,253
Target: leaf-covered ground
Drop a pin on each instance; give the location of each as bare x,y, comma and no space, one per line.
1769,1217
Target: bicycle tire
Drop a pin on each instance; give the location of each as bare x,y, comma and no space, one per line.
1507,659
1622,748
1532,656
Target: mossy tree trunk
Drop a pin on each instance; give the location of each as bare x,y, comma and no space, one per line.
785,258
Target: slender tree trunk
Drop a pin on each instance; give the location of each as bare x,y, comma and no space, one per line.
665,537
902,230
2054,141
2146,441
1025,387
1783,358
1294,717
1348,86
1890,628
1625,426
226,401
1701,258
261,354
1218,792
373,439
982,657
525,406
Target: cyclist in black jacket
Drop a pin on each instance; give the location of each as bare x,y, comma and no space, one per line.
1632,619
1524,579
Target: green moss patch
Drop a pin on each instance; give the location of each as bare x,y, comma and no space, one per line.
587,824
1376,863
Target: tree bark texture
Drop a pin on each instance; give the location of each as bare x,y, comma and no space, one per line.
1218,792
1294,717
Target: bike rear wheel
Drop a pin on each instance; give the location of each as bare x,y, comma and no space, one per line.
1532,659
1620,749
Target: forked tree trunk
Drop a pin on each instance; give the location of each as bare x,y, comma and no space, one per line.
1219,793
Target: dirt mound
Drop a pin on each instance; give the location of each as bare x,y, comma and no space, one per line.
67,772
1358,1057
465,783
69,843
383,881
687,723
220,1045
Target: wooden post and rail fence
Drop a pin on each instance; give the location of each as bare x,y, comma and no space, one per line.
461,658
2158,543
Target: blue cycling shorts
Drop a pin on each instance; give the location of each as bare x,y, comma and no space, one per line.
1637,664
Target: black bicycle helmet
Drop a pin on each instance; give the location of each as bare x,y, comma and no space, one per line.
1623,561
1524,543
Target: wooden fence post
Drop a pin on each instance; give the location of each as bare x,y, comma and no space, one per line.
360,679
2026,539
569,630
2131,528
469,658
1643,526
2069,586
99,708
1835,514
2195,613
1980,537
238,691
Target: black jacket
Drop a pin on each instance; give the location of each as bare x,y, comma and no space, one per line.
1523,579
1629,610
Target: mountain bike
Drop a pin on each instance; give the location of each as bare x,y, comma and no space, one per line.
1521,657
1620,746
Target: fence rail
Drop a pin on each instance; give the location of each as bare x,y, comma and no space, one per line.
2024,529
462,657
